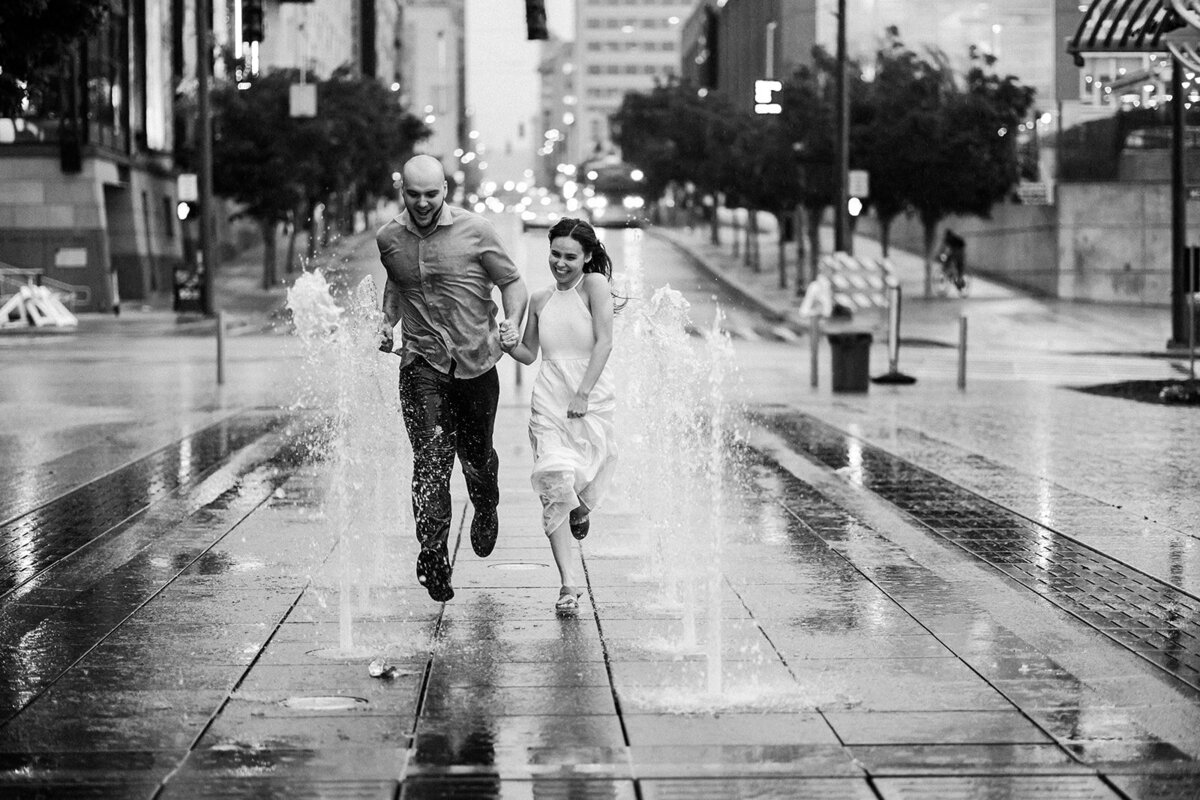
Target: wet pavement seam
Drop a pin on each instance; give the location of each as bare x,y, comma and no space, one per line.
931,633
42,690
60,527
1063,495
604,649
229,693
1027,552
435,638
779,654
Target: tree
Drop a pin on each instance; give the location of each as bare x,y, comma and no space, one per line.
807,118
369,137
277,166
764,175
676,133
256,155
35,37
904,84
954,145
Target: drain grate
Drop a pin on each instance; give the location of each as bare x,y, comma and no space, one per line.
1157,621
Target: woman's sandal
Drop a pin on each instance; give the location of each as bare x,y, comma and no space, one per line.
568,599
580,523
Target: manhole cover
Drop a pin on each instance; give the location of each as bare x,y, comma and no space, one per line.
518,565
324,703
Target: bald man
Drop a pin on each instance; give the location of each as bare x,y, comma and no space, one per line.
442,263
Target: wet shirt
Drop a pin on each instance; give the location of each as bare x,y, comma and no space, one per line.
447,315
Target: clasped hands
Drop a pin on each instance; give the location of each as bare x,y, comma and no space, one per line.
508,336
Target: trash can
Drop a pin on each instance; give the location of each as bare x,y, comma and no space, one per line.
851,353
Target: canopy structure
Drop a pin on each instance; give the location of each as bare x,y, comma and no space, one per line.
1132,27
1139,27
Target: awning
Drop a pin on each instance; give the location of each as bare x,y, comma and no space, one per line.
1136,27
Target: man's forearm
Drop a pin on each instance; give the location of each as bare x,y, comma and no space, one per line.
515,299
391,302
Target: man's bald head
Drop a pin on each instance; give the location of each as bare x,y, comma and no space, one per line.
423,190
423,169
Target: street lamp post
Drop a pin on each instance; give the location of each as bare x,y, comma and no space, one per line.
204,141
841,238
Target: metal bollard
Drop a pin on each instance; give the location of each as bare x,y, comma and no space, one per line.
814,343
1192,336
894,328
220,348
894,375
962,352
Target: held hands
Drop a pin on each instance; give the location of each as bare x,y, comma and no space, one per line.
508,336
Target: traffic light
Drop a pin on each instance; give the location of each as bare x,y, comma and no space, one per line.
252,20
535,19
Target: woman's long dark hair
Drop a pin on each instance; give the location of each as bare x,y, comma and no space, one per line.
598,259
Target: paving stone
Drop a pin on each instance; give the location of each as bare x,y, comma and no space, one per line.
1016,787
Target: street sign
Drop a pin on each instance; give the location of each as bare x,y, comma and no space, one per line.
1034,193
764,97
187,187
302,99
859,181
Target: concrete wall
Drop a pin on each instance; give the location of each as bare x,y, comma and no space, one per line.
1017,246
1115,241
1101,242
47,217
78,228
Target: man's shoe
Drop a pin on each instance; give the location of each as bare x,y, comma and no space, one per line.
484,528
433,572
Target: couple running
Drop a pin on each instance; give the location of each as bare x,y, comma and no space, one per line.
442,263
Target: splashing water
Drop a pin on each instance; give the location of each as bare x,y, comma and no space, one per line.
675,419
348,385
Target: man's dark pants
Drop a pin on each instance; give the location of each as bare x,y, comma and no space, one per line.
446,416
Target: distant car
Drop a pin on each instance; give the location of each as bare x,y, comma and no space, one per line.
543,213
616,210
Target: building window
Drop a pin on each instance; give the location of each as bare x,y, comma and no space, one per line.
168,212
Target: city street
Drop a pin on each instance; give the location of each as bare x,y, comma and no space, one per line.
917,591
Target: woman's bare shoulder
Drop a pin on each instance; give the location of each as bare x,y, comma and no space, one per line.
538,299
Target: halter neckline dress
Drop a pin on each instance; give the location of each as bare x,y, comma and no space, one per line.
573,458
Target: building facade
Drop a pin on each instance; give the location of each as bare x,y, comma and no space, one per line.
558,104
87,172
1095,223
620,46
431,75
89,190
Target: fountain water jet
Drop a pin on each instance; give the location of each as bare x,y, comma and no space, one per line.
345,381
674,419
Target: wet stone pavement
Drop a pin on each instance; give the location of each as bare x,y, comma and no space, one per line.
187,628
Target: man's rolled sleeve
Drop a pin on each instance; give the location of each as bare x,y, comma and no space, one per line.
495,259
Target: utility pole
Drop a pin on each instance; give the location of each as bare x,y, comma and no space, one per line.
1179,266
841,167
204,140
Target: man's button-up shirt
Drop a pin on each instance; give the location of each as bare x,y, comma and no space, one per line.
447,315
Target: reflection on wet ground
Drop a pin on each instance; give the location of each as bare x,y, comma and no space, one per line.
37,538
1152,618
193,652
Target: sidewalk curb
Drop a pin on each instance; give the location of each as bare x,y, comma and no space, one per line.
773,313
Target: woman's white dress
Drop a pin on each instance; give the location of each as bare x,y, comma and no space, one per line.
573,458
